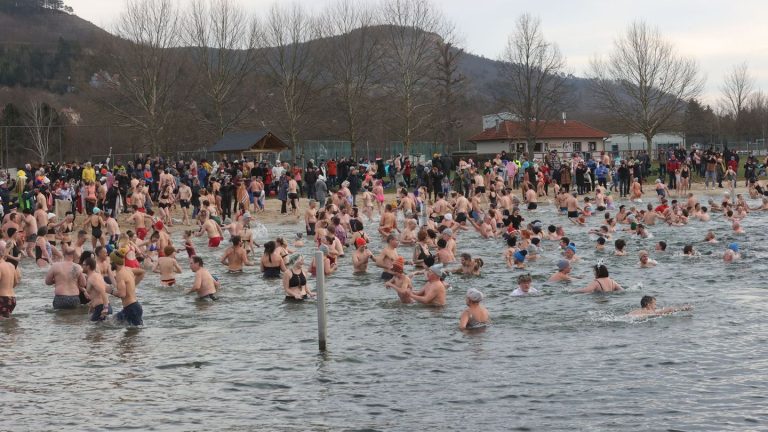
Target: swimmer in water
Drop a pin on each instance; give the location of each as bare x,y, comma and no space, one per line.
732,253
602,282
645,260
737,229
469,266
563,272
600,244
620,244
400,282
361,255
475,315
167,266
524,287
433,293
710,237
205,285
648,308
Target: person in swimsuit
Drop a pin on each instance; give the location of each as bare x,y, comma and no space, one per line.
9,278
421,252
96,290
235,257
167,266
271,262
68,280
475,316
126,280
602,283
205,284
42,257
400,282
294,280
328,266
96,223
648,308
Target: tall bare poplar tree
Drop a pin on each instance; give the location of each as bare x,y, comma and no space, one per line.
644,83
39,120
738,88
412,31
291,65
450,85
147,69
355,61
224,40
534,81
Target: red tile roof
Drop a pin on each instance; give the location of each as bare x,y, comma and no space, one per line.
512,130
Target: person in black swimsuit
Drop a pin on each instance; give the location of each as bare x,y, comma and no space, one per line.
271,262
294,280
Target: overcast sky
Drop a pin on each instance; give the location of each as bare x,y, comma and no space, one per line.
717,33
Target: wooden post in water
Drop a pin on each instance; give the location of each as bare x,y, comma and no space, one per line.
322,319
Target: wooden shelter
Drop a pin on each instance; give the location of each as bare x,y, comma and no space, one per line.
250,143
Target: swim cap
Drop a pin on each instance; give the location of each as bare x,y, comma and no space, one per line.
51,215
437,269
448,217
734,247
360,242
117,258
159,225
96,210
563,264
474,295
572,247
292,259
520,255
397,266
448,232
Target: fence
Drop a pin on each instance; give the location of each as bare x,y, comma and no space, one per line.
333,149
97,142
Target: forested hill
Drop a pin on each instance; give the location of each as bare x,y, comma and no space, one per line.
42,45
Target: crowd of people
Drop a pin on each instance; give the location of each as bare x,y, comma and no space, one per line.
71,218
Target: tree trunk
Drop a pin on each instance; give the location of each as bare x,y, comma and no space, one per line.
649,144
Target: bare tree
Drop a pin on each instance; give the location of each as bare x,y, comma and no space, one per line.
39,121
147,63
291,66
224,41
738,87
535,84
354,65
450,86
412,30
644,83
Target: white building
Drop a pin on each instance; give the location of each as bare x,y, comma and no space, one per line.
569,136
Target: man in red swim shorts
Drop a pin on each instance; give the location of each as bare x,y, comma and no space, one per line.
214,242
213,230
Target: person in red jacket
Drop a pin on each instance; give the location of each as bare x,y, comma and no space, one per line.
331,168
672,165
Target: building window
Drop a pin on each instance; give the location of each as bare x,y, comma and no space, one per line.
576,147
592,146
538,147
521,147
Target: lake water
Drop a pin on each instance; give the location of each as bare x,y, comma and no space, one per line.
556,362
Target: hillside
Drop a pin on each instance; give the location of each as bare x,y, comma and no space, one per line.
44,28
47,49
